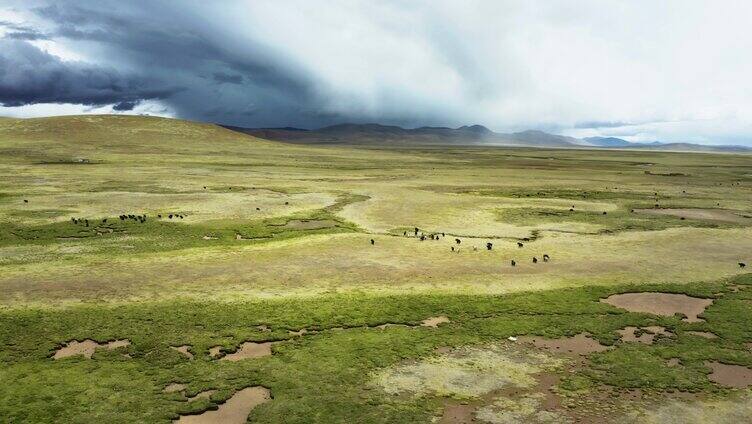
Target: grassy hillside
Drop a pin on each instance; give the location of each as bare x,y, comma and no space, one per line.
170,233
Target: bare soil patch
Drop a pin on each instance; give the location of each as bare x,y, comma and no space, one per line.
184,349
666,304
721,215
645,335
457,413
249,350
215,352
434,321
730,375
234,411
87,348
581,344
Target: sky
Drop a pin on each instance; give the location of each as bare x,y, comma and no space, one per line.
640,70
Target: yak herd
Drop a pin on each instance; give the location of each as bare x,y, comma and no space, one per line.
489,245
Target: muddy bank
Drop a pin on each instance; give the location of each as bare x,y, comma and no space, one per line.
234,411
581,344
184,349
249,350
87,348
735,376
644,335
665,304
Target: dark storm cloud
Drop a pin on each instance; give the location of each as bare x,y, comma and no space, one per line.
248,83
125,106
29,75
224,78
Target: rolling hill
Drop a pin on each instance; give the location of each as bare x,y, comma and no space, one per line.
474,135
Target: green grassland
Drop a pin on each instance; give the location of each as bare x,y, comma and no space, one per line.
279,236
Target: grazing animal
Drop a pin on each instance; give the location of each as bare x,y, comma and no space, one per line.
373,242
422,237
26,201
443,235
181,216
546,258
604,212
520,244
204,187
170,216
489,245
571,209
458,241
104,221
258,209
631,210
535,260
159,216
287,203
742,264
514,263
416,231
404,233
452,248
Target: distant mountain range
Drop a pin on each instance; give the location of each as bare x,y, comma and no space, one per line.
473,135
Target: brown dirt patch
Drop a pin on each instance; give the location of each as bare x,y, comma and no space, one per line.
721,215
666,304
581,344
184,349
673,362
647,334
234,411
730,375
215,351
457,413
249,350
87,348
705,334
310,224
434,322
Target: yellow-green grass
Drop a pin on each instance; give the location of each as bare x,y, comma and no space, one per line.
211,277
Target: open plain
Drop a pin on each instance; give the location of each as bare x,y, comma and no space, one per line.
365,284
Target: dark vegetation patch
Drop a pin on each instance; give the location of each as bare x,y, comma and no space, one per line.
323,375
613,221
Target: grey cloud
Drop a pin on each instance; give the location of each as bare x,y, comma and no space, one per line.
29,75
224,78
601,124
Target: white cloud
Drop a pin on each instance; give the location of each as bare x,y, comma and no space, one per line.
678,67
